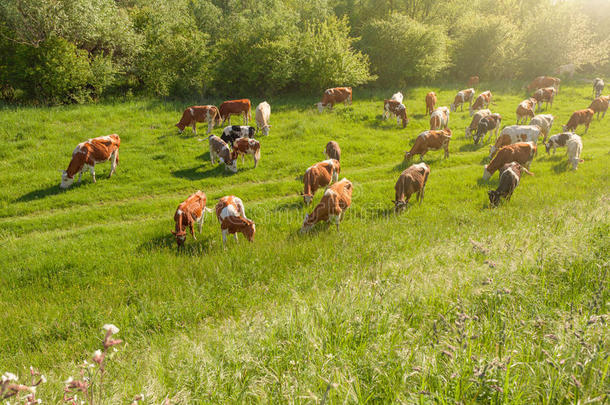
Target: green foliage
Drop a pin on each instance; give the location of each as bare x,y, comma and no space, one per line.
403,50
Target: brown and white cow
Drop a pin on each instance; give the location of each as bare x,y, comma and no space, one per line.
545,122
220,150
522,152
491,124
87,154
189,212
412,180
558,141
333,151
482,101
247,146
474,123
514,134
439,118
396,108
580,117
544,81
600,105
430,140
199,113
232,217
598,87
335,201
261,115
510,174
462,97
334,96
574,147
319,175
473,81
235,107
526,109
430,102
547,95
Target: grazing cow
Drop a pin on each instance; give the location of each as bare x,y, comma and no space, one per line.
547,95
574,146
191,211
439,118
319,175
510,174
430,102
336,200
232,217
600,105
235,107
87,154
558,141
598,87
220,150
482,101
430,140
333,151
525,110
199,113
233,132
398,109
522,152
473,81
515,133
580,117
261,116
544,81
545,122
490,123
567,70
412,180
335,96
474,124
247,146
463,96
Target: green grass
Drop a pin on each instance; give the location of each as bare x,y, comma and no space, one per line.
451,302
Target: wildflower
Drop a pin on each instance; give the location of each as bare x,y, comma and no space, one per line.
110,328
98,356
69,380
9,377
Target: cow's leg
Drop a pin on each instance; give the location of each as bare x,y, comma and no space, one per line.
194,127
92,170
80,176
210,125
113,162
192,231
586,127
243,157
603,115
224,237
235,236
446,147
200,221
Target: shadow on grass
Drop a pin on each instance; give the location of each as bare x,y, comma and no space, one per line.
198,172
297,204
42,193
561,166
191,247
378,123
492,183
471,147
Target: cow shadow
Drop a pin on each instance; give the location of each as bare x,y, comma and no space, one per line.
167,242
198,172
381,124
490,184
561,167
45,192
297,204
419,116
471,147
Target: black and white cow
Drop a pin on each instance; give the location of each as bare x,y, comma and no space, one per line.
233,132
489,124
598,87
510,174
558,141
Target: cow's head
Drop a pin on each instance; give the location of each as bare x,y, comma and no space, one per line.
307,225
399,206
251,132
180,126
565,128
265,130
307,198
407,156
494,198
548,146
66,181
249,230
486,173
453,107
230,165
180,237
320,106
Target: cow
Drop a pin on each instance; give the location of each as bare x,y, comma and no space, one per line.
412,180
482,101
558,141
199,113
600,105
473,81
463,96
190,211
545,122
547,95
510,174
580,117
232,217
430,102
336,200
233,132
544,81
514,134
474,124
261,116
319,175
574,146
522,152
439,118
525,110
490,123
335,96
598,87
567,70
220,150
87,154
246,146
235,107
333,151
430,140
396,108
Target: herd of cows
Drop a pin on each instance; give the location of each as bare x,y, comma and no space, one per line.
511,152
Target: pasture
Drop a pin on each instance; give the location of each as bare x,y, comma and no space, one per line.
450,302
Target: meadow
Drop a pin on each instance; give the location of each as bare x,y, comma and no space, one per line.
450,302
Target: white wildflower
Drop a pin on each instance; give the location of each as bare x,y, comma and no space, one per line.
69,380
110,327
43,379
9,377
